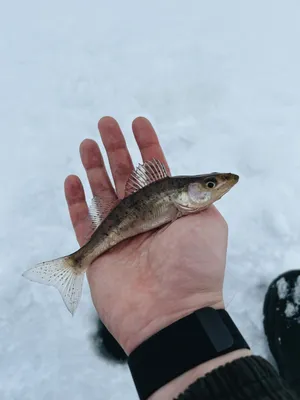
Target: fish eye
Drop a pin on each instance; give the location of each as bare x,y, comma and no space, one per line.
211,183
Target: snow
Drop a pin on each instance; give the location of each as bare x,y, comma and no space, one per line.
296,294
282,288
291,310
220,82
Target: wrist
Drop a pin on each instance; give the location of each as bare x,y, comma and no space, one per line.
184,351
162,320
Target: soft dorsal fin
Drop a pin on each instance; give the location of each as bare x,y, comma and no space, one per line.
144,174
99,209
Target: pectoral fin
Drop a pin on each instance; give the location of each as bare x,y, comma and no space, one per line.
184,209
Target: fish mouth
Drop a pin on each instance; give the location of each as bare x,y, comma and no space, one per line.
229,181
235,178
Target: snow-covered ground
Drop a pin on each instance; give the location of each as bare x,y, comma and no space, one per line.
220,81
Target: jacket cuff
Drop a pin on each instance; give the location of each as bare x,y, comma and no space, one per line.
246,378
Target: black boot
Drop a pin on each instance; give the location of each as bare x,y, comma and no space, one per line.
282,325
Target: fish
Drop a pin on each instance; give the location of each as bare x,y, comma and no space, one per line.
152,199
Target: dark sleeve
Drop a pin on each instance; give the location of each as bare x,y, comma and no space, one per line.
247,378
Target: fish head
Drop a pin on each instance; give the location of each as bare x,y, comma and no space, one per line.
200,191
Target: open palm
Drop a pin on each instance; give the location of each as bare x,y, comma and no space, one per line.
151,280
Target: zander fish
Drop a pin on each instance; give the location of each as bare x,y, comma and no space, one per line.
153,198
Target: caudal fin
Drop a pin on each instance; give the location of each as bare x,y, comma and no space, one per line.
59,273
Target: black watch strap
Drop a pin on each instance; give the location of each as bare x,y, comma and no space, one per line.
189,342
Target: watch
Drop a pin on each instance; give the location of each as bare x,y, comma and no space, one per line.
193,340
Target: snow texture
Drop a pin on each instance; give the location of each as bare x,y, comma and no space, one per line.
220,81
291,310
296,295
282,288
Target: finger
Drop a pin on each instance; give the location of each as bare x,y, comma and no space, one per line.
117,152
78,208
147,141
93,163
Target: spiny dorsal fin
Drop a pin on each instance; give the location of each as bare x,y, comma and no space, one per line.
144,174
99,209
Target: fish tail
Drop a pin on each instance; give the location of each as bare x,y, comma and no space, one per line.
63,273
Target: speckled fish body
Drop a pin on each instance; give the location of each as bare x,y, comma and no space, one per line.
153,200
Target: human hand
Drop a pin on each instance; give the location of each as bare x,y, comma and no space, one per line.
149,281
